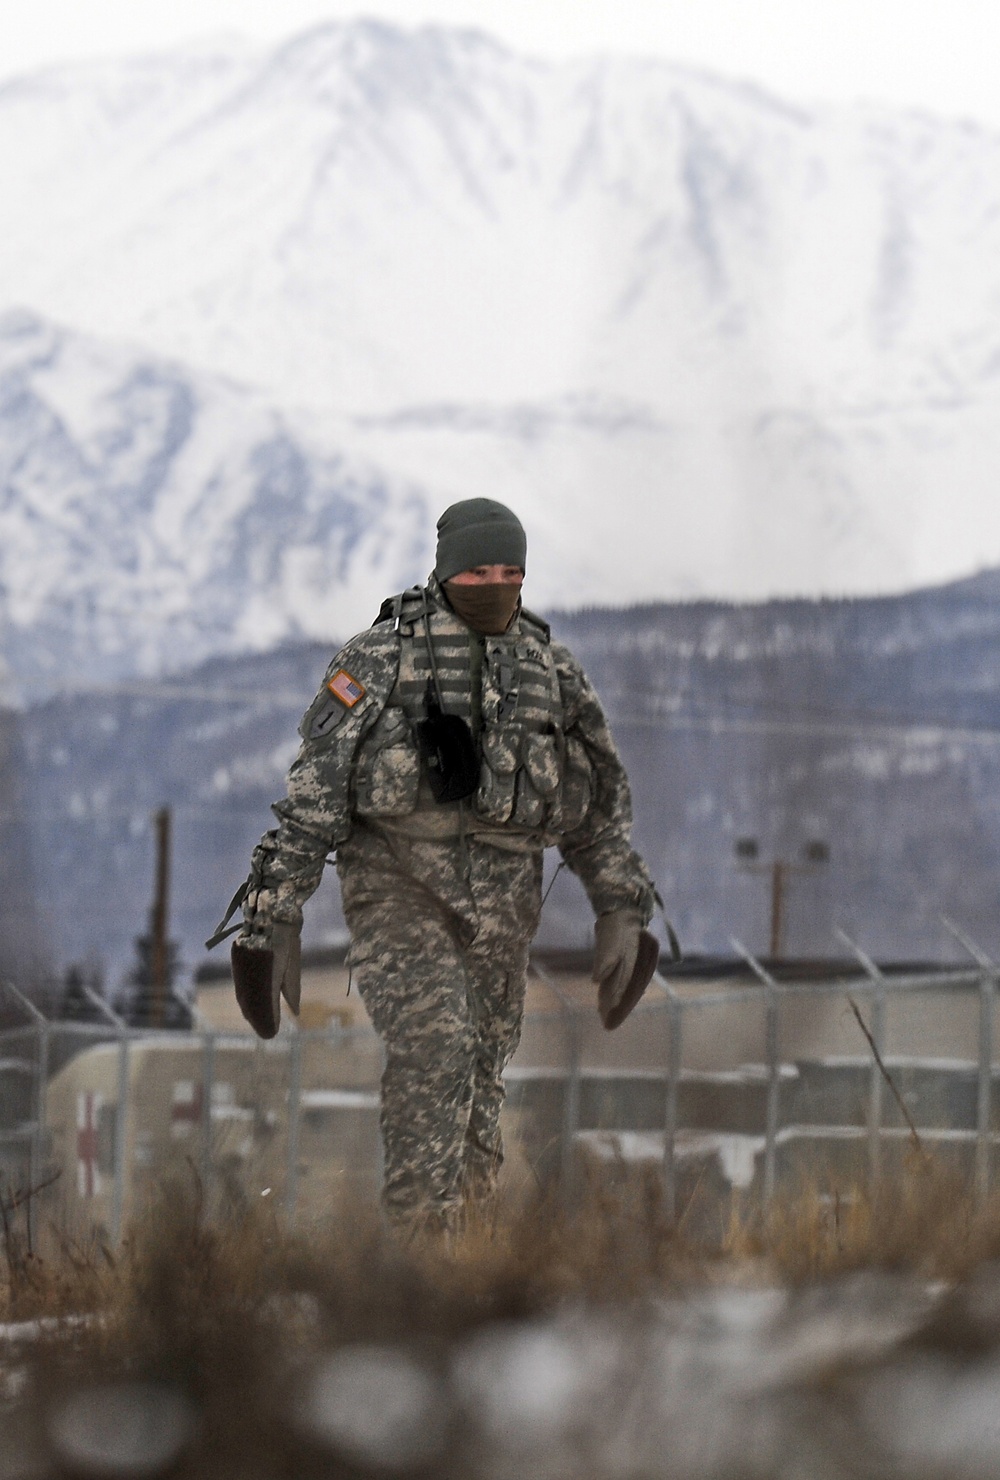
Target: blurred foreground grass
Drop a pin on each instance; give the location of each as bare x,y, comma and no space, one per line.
238,1321
613,1244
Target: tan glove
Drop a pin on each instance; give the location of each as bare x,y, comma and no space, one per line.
266,968
286,942
627,955
616,946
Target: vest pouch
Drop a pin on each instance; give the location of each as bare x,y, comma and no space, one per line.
541,761
501,757
537,781
387,769
576,791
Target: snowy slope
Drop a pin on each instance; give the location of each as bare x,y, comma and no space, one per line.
704,342
149,515
367,217
623,505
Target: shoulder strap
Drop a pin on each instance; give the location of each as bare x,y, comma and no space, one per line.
538,623
391,609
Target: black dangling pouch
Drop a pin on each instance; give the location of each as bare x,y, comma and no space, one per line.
448,751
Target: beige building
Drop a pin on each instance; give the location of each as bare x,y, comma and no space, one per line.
295,1120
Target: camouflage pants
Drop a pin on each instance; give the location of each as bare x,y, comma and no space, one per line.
439,948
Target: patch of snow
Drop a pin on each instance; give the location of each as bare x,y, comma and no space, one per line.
377,1407
129,1428
339,1099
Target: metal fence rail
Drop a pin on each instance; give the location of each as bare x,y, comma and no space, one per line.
195,1096
874,985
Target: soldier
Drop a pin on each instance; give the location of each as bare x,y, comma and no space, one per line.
449,745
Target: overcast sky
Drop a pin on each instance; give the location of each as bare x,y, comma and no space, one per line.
940,55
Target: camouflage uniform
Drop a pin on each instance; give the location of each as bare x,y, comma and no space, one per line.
442,899
439,945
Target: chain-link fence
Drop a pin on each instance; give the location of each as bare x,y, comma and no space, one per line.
735,1075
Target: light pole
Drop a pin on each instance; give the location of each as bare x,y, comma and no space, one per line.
815,855
160,959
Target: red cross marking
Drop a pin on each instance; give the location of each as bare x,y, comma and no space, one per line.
185,1106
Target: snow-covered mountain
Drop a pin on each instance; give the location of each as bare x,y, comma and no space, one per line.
367,217
147,514
704,342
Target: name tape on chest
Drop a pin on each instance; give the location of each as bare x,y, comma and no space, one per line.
345,688
531,653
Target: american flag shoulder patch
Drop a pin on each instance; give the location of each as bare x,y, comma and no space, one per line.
345,688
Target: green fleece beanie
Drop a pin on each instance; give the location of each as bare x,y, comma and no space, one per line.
478,531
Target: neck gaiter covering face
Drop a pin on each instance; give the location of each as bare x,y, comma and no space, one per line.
486,609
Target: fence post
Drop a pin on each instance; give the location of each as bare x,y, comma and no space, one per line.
676,1011
121,1128
984,1088
294,1105
771,1049
36,1152
773,1091
201,1024
571,1088
675,1059
40,1131
207,1092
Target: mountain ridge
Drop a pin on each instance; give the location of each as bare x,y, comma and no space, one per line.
703,343
150,517
445,121
873,725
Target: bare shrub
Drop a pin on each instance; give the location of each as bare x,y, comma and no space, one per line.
237,1319
927,1223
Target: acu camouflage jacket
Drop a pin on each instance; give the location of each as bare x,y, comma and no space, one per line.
550,773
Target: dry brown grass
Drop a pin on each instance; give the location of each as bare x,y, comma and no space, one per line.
614,1246
926,1222
76,1276
230,1314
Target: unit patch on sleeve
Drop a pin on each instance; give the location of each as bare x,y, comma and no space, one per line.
345,688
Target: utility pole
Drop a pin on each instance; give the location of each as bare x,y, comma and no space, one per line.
161,903
154,1004
777,907
815,855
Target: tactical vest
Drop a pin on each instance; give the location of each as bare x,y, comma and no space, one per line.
533,777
